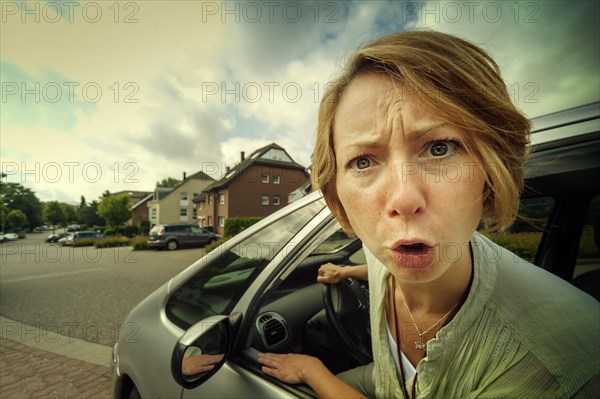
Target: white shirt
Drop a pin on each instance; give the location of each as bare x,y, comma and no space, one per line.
409,369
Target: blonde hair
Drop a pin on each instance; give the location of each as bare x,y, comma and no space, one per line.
462,84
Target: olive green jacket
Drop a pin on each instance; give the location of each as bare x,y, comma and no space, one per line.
521,333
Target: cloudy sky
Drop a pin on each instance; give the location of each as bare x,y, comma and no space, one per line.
106,95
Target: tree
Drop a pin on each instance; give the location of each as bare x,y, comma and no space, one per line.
115,209
54,214
16,219
15,196
70,213
168,182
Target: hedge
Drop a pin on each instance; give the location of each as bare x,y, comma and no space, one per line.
111,242
524,244
234,225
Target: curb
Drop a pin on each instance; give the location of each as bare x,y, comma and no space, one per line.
52,341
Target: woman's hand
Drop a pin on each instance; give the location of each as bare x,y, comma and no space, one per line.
330,273
333,274
290,368
197,364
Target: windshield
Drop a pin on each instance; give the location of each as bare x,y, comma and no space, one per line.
219,285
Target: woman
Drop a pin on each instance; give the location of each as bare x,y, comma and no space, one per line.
418,143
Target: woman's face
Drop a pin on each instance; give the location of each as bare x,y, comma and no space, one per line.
412,193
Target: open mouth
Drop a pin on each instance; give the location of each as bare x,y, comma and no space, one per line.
415,255
412,247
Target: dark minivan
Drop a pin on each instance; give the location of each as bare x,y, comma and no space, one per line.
172,236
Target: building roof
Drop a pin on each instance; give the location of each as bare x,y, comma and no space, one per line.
143,200
133,193
196,176
269,155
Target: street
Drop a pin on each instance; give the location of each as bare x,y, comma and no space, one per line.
84,292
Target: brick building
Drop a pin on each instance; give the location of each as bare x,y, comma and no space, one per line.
258,186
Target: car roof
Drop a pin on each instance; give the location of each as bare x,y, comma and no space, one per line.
565,154
564,127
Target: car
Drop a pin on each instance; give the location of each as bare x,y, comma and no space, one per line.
257,292
173,236
81,235
10,237
73,228
55,237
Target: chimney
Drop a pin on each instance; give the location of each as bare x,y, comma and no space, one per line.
184,176
242,156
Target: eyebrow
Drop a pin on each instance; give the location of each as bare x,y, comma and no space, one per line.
417,133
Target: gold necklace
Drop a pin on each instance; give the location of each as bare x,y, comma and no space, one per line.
420,345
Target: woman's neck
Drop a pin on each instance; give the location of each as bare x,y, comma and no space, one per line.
440,295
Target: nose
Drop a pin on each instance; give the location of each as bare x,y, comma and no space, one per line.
405,190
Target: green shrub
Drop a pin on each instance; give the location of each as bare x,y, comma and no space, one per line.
109,242
130,231
144,227
523,244
215,244
139,243
587,245
234,225
88,242
109,232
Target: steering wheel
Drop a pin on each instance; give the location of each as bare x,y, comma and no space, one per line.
347,310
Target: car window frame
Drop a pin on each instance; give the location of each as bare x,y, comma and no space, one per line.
243,302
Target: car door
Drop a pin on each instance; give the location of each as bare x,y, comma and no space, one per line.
197,236
246,267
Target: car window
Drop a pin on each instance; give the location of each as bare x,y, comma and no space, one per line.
588,256
218,286
524,236
197,230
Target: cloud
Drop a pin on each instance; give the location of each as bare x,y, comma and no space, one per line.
549,51
184,83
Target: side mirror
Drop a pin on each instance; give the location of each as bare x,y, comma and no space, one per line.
201,351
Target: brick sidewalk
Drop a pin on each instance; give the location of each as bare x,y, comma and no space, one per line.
29,372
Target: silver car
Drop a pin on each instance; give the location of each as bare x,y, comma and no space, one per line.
258,292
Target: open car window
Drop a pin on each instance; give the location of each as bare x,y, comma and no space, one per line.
217,287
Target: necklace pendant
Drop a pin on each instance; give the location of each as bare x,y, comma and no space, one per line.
420,345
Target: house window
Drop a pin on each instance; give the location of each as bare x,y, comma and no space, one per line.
276,200
221,221
183,198
276,179
194,213
265,178
183,214
209,199
209,221
265,200
222,199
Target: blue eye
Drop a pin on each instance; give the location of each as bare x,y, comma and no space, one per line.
439,149
362,163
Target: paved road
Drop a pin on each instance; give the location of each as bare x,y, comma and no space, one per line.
61,310
81,292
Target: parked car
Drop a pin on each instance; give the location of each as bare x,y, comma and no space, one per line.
258,292
81,235
73,228
173,236
10,237
55,237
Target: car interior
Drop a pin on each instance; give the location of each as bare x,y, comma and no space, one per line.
294,313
